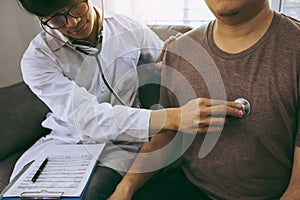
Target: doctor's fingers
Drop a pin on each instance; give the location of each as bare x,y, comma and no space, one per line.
213,102
220,111
211,124
166,44
210,129
211,107
159,66
171,39
211,121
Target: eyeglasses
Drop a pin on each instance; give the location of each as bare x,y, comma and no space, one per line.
60,20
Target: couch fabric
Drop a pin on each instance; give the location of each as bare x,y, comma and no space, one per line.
21,113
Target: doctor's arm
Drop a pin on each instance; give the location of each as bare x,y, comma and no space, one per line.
293,190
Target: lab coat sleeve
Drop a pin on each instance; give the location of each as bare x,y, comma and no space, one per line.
75,106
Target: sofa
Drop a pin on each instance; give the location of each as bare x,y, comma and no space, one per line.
21,113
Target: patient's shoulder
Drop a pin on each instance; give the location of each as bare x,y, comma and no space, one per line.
190,39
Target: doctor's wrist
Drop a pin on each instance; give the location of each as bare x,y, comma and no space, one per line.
165,120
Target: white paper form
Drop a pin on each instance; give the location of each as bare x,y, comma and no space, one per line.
67,171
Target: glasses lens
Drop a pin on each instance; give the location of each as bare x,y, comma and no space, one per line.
57,21
79,10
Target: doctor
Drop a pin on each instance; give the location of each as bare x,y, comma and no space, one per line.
63,66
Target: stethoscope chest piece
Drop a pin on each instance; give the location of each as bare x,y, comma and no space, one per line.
246,106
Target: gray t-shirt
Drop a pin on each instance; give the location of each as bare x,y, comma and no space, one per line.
253,157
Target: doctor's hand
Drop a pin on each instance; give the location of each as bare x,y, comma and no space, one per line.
197,116
160,63
207,115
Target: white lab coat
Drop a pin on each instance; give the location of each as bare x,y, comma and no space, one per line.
82,108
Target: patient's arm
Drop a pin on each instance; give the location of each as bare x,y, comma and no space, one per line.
136,177
293,190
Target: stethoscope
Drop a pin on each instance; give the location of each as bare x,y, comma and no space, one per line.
94,54
246,106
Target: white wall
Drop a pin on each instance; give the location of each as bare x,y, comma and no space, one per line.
17,28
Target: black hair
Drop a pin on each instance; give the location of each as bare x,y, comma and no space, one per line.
43,8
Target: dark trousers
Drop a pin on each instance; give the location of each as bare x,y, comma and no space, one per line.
102,184
172,185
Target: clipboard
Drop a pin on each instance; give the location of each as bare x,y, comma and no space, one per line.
90,155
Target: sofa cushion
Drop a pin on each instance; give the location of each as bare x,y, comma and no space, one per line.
21,114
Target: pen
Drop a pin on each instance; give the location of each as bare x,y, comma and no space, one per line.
39,171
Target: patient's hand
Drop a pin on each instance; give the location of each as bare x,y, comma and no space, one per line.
160,63
121,193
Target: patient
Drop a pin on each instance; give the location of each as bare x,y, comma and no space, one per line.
246,52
